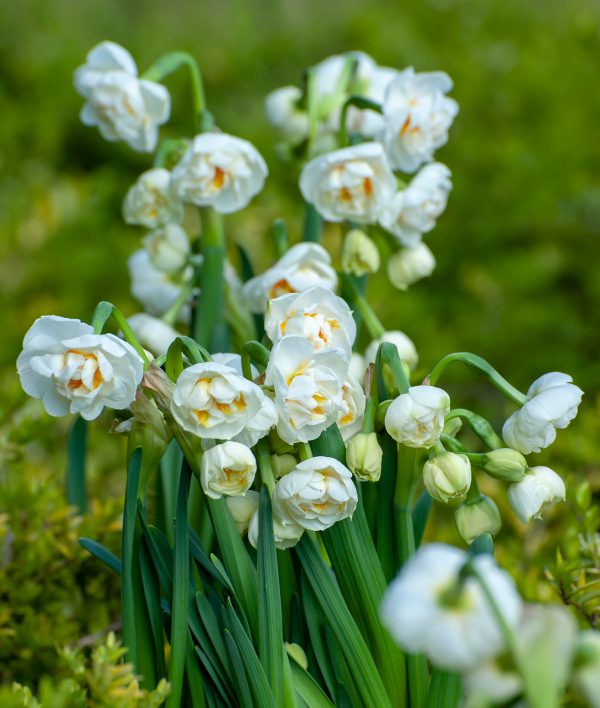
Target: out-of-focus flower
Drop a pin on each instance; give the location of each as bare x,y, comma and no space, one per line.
307,387
286,533
155,289
319,315
358,366
409,265
413,211
476,517
169,248
587,669
123,106
417,116
406,349
227,469
73,370
150,202
153,334
350,184
359,254
242,509
429,609
220,171
505,464
304,266
316,494
364,456
284,114
353,403
539,489
212,401
416,418
447,476
552,402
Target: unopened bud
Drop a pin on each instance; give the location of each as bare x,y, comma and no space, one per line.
359,254
505,464
409,265
477,517
242,509
447,476
364,455
282,464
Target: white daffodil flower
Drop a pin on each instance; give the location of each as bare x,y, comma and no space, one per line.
227,469
319,315
220,171
153,334
409,265
352,184
317,494
447,476
587,671
353,401
155,289
123,106
169,248
307,388
304,266
539,489
212,401
235,362
413,211
73,370
259,425
417,116
429,610
406,349
242,509
416,418
283,113
286,533
150,202
552,402
358,366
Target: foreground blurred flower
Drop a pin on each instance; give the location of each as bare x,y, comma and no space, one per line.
552,402
447,476
364,456
319,315
227,469
403,343
121,105
413,211
283,113
212,401
476,517
153,334
168,247
73,370
304,266
286,533
587,666
359,254
150,202
316,494
409,265
221,171
417,117
539,489
350,184
416,418
155,289
429,608
242,509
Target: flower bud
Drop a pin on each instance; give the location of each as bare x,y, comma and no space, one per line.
409,265
242,509
505,464
416,418
285,531
364,455
540,488
477,517
282,464
228,468
447,476
168,247
359,254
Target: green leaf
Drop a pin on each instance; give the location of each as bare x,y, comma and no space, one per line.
445,689
102,554
244,696
420,515
128,597
76,491
313,225
308,689
151,587
193,676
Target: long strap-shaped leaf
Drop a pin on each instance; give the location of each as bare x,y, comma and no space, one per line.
76,487
308,689
444,690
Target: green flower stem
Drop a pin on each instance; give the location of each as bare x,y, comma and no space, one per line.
280,237
263,460
103,312
407,478
168,149
480,426
387,354
484,368
360,304
171,315
359,102
313,225
372,393
304,451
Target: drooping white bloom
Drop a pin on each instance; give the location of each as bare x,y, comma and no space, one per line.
227,469
155,289
353,401
307,387
427,611
409,265
447,476
404,345
413,211
73,370
153,334
316,494
539,489
150,202
304,266
212,401
351,184
221,171
552,402
416,418
417,116
259,425
319,315
242,509
283,113
168,247
123,106
286,533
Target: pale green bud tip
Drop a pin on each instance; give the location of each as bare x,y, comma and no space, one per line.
364,455
477,517
296,652
505,464
282,464
359,254
447,476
